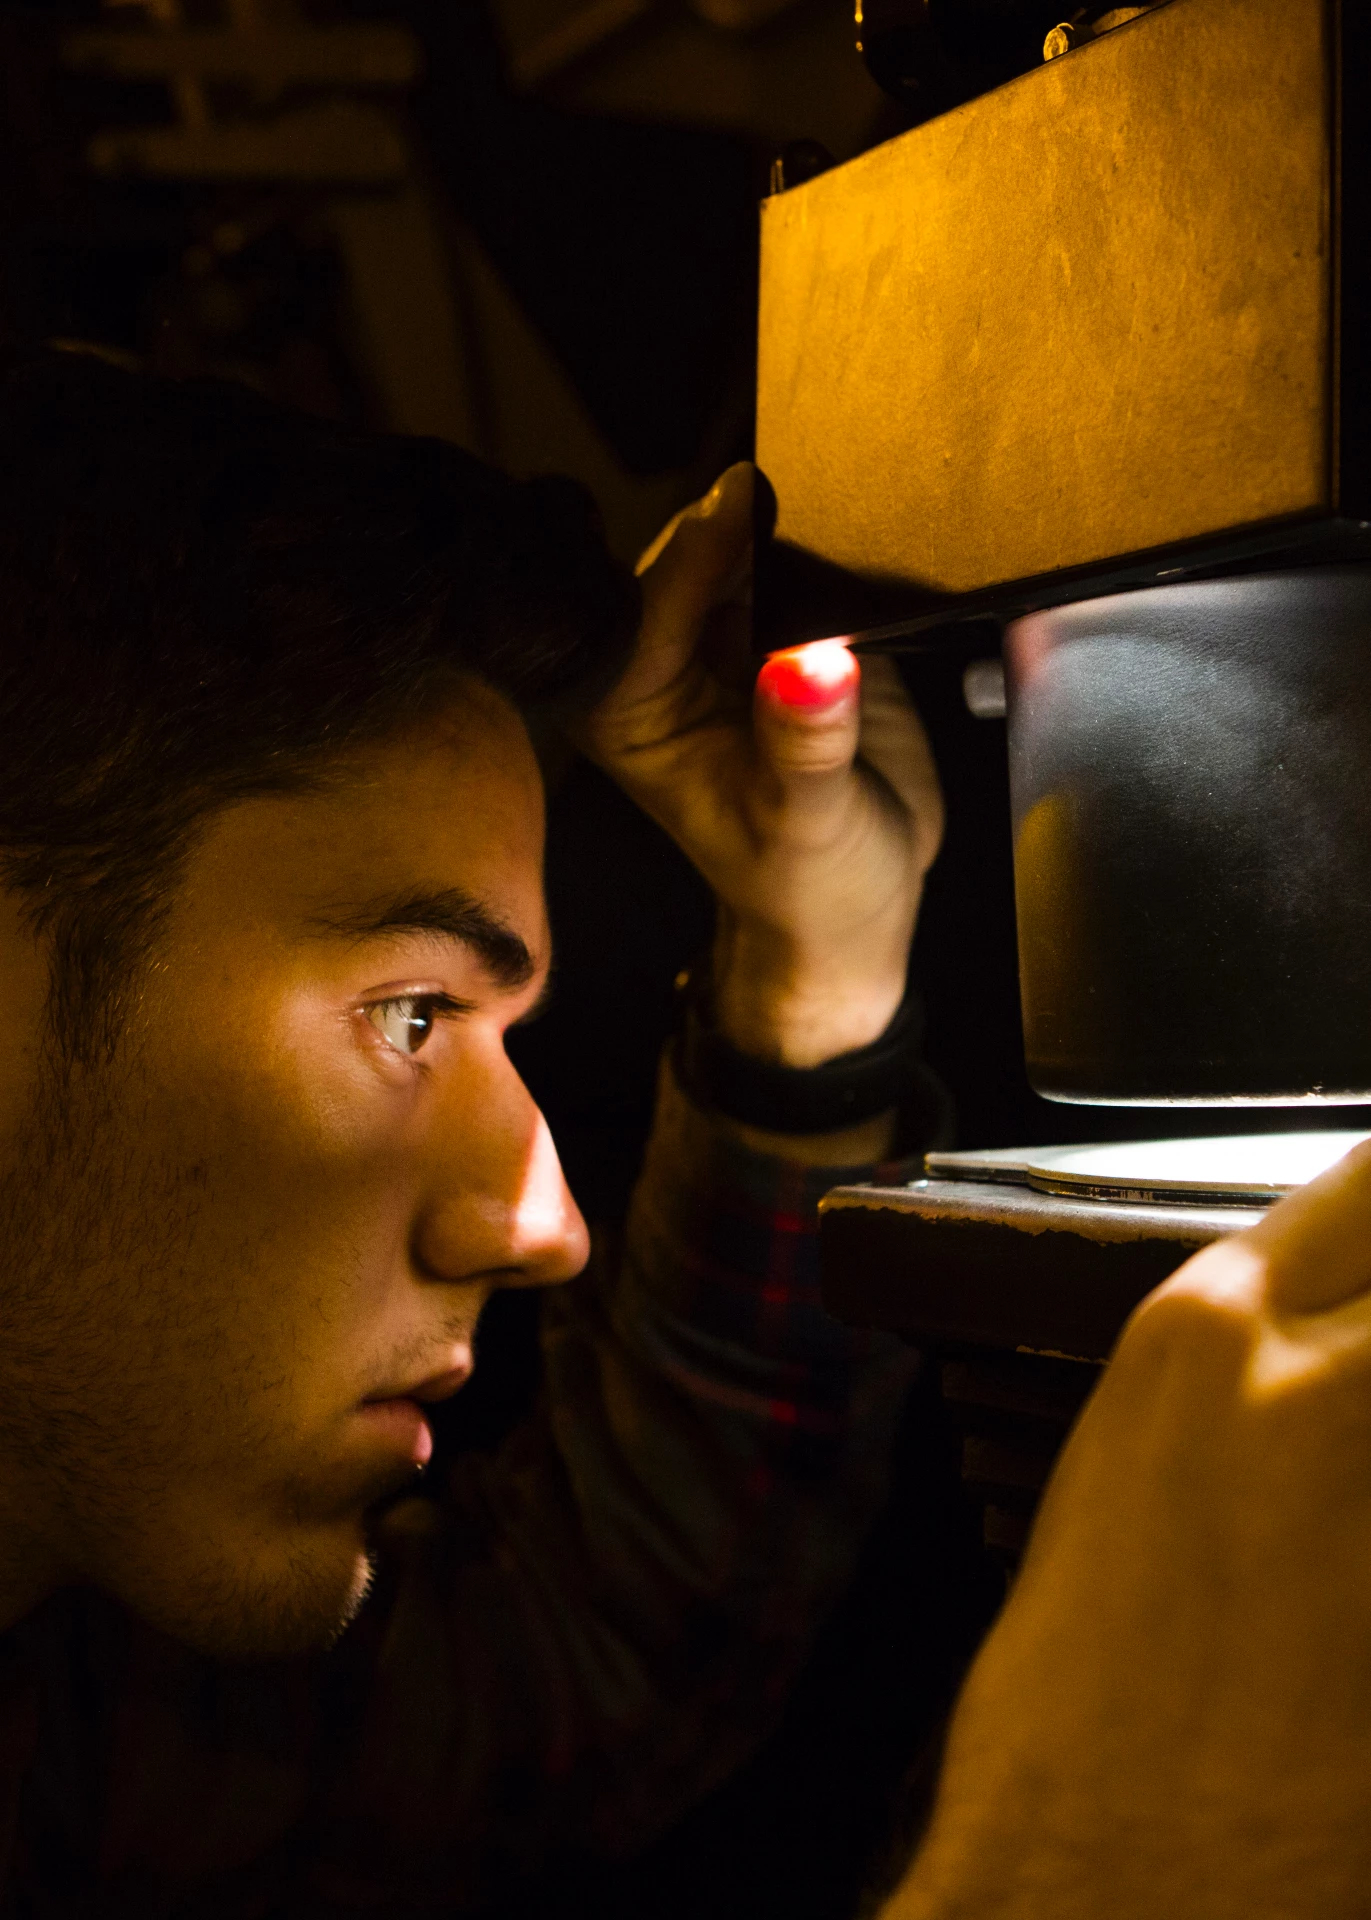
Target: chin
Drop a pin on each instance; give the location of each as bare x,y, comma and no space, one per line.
313,1613
269,1606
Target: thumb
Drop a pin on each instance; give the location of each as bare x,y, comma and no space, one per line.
1317,1242
807,718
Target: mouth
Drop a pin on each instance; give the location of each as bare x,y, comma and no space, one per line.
396,1414
426,1390
399,1422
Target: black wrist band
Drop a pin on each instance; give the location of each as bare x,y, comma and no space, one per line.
843,1092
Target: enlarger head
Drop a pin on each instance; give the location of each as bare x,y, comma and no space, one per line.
1091,355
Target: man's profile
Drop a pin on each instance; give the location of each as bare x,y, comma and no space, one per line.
231,1150
271,832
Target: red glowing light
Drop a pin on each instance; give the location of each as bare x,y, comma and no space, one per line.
817,675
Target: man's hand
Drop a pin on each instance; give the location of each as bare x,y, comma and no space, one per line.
1173,1715
808,801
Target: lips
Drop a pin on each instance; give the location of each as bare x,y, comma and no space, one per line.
432,1387
395,1415
440,1386
400,1424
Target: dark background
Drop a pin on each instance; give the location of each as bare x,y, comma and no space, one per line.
533,231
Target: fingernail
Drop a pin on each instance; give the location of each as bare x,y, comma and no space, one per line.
711,501
727,483
811,677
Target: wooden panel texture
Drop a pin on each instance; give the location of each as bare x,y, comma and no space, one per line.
1089,314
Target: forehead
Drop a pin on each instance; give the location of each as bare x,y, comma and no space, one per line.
454,802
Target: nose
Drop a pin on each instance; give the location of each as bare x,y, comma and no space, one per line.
497,1207
548,1237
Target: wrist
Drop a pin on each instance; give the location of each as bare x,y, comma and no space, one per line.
837,1096
778,1001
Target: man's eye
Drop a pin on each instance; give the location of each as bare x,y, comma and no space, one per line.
407,1022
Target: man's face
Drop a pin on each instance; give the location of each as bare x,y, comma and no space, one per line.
255,1244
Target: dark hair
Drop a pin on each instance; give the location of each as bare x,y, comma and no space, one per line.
203,597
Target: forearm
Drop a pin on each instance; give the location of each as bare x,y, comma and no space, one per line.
864,1146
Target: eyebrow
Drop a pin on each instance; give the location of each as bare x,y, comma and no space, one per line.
449,913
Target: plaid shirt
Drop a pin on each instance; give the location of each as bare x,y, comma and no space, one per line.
576,1638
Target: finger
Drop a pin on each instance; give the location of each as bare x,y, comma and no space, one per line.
894,742
735,487
700,560
807,718
695,566
1317,1243
650,555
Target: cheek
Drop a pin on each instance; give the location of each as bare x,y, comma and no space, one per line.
317,1272
304,1126
290,1258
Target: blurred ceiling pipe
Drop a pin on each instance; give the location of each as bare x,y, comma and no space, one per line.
589,28
581,33
273,58
339,139
340,142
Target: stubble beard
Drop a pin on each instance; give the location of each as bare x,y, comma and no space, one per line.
93,1229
